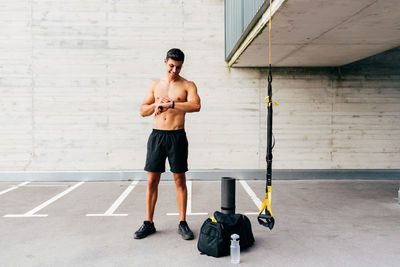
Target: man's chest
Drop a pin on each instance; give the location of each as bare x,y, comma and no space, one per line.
176,93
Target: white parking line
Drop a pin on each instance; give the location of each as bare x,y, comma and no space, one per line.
32,212
45,185
252,195
115,205
13,188
189,202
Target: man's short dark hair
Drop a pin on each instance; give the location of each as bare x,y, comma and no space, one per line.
176,54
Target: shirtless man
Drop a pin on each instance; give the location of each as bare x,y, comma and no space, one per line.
170,98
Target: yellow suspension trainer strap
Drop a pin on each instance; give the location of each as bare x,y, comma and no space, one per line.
267,219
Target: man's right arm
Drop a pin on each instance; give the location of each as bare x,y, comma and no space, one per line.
148,106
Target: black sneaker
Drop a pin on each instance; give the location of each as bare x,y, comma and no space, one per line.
185,231
146,229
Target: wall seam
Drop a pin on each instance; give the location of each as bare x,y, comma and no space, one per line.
32,156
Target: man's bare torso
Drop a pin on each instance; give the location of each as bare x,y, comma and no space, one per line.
172,119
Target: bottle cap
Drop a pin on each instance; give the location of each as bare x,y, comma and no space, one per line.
235,237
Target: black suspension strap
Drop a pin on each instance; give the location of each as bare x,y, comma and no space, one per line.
267,218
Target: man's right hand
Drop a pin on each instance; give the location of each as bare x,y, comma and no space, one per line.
165,99
163,105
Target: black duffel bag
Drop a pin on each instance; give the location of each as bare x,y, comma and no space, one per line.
215,233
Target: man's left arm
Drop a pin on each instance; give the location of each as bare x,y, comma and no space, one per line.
193,100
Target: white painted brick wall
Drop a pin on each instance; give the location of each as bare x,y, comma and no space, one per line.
73,74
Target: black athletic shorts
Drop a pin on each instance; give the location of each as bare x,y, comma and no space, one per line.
167,143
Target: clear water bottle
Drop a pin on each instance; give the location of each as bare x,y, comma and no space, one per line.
235,249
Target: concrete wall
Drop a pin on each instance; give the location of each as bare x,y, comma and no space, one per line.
339,118
73,75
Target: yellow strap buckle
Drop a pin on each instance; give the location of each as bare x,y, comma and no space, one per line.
270,102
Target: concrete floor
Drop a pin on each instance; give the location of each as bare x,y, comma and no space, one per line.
318,223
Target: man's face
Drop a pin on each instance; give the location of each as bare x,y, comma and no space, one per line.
173,67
